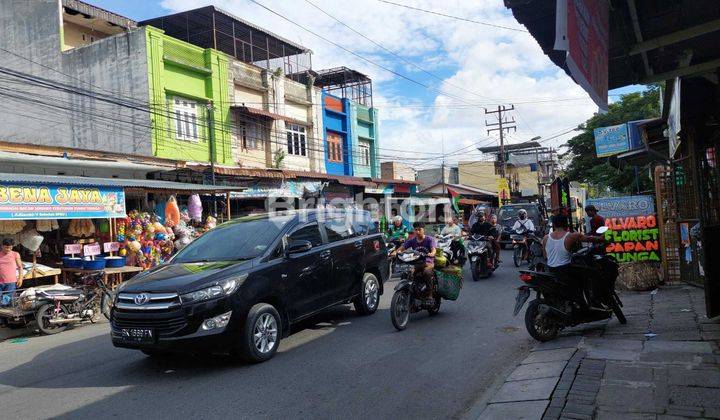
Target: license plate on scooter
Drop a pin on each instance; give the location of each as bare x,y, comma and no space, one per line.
520,299
137,335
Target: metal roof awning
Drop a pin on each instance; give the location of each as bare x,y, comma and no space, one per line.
139,184
261,113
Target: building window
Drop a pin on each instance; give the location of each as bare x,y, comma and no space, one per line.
249,135
364,149
296,143
185,114
334,148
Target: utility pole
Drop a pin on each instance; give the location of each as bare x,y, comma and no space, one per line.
211,138
501,126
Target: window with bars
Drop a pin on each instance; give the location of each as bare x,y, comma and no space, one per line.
364,152
334,147
249,135
185,115
296,140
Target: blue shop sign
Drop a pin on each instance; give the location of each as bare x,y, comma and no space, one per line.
634,205
60,201
611,140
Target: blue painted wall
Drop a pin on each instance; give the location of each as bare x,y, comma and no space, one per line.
340,124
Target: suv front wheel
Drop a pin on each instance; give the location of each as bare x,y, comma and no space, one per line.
260,337
369,299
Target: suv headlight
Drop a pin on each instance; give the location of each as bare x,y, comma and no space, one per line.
223,288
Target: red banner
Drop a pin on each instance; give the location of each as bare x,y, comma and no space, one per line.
587,41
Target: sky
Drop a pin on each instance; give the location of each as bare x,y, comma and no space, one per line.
439,74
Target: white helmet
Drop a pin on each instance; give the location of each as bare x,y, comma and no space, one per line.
522,212
397,219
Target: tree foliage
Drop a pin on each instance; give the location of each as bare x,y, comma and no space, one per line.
603,174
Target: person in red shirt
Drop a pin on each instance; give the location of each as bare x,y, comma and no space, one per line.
596,220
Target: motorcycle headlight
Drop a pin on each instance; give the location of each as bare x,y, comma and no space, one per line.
222,288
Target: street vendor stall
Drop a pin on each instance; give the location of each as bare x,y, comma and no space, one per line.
85,222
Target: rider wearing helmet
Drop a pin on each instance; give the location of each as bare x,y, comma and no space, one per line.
397,230
523,224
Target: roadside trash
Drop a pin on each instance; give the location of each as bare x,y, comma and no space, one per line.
169,371
18,340
684,310
654,292
650,334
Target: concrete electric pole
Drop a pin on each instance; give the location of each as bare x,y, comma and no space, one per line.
501,126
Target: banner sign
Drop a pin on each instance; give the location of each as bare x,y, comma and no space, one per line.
635,205
503,191
582,29
611,140
673,119
33,201
633,238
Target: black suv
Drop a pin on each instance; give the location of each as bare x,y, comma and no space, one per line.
241,285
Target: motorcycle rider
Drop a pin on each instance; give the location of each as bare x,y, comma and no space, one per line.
485,228
496,242
420,240
523,223
559,245
451,228
397,231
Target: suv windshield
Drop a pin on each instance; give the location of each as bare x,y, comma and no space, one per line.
510,213
245,239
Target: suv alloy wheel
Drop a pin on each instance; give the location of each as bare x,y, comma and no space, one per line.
260,337
369,299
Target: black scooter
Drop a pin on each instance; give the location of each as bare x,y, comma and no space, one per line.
565,302
481,255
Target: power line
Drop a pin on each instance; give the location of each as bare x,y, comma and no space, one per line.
454,17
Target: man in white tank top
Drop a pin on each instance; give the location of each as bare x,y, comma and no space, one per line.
559,244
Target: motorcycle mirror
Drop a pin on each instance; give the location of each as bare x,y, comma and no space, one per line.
601,230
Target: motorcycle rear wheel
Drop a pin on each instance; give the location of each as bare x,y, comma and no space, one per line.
533,317
43,316
400,309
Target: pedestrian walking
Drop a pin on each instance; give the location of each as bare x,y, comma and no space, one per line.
11,271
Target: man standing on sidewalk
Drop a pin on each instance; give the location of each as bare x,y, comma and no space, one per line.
11,271
595,219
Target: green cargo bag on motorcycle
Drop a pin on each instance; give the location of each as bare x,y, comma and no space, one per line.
449,281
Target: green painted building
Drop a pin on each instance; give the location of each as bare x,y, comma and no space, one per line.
184,81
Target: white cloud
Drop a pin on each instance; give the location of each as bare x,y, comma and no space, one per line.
483,65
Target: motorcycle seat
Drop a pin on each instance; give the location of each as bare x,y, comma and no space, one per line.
56,294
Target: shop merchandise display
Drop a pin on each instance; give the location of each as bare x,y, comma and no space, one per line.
11,227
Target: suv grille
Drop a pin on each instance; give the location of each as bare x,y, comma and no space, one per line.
161,326
147,301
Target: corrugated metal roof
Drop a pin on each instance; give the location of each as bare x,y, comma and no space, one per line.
290,174
111,182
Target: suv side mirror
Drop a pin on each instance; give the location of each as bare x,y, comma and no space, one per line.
296,247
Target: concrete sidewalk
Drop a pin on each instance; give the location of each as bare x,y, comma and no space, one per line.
664,364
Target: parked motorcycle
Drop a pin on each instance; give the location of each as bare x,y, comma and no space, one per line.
60,308
409,292
565,302
481,255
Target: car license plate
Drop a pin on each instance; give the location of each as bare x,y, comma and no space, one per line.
137,335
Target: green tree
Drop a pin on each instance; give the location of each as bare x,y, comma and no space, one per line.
603,173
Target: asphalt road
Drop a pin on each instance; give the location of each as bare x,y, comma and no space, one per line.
339,365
